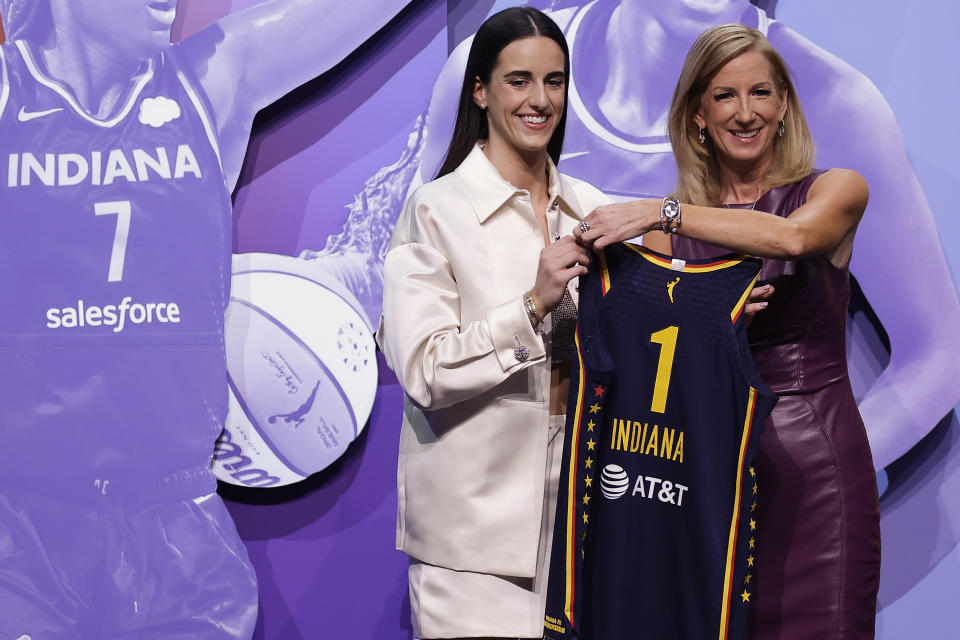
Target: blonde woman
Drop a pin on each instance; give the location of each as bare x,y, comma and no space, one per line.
747,184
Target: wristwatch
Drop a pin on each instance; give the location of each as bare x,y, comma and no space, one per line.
669,215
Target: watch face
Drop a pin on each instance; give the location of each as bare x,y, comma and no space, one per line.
670,208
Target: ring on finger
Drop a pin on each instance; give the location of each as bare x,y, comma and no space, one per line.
584,226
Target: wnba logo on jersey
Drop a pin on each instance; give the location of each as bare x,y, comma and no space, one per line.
670,286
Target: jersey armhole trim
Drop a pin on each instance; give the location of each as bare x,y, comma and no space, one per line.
605,283
200,105
4,82
742,302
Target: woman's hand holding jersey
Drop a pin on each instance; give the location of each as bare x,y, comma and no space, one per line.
559,263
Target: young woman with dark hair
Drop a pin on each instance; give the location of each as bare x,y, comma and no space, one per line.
477,324
495,34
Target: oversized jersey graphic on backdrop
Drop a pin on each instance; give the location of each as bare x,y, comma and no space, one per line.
127,277
114,271
119,153
653,532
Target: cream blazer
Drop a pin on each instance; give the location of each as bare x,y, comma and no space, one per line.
473,444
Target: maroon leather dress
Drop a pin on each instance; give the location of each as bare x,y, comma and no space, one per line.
818,518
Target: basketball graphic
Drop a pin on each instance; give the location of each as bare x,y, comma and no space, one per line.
301,367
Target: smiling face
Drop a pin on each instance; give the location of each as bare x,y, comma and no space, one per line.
524,98
740,110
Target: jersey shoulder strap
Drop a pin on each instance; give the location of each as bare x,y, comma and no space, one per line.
4,81
192,87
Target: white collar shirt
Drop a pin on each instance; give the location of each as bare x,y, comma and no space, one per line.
474,434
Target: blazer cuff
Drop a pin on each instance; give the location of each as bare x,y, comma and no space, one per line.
510,329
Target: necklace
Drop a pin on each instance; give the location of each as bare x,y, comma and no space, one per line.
735,205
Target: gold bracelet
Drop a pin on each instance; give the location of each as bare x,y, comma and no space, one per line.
535,318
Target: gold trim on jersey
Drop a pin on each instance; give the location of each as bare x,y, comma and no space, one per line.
604,274
742,302
735,519
667,263
572,502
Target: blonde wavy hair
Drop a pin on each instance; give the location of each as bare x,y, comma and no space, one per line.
793,153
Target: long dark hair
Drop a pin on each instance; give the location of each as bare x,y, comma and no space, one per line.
494,34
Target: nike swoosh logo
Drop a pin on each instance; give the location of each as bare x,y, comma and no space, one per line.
26,116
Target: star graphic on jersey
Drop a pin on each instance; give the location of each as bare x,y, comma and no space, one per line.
753,524
585,518
586,498
747,578
753,506
754,489
594,408
753,474
751,543
750,561
745,596
598,391
588,462
591,425
589,481
590,445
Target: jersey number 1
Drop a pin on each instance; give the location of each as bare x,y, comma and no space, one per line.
121,209
667,339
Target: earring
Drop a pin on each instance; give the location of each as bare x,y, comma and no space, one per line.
780,128
703,138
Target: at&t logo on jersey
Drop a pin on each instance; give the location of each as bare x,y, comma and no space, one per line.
118,316
615,483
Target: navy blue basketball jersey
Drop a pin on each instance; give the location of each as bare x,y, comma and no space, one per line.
115,274
654,536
